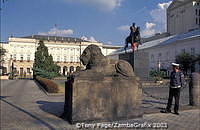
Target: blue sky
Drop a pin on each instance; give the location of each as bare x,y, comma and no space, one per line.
106,21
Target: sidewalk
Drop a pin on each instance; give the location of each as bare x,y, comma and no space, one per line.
187,120
25,106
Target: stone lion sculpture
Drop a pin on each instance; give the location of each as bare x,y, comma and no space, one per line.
97,63
106,90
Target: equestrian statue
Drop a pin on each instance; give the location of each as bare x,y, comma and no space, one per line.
133,38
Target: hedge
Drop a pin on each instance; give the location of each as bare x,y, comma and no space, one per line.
48,85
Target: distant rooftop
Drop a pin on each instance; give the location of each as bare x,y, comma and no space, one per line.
55,38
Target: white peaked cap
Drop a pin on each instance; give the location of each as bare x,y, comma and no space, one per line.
174,64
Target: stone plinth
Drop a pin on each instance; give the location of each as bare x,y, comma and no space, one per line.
105,98
195,90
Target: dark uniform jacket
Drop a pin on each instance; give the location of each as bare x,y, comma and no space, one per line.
176,79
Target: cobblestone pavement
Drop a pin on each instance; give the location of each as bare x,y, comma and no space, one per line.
25,106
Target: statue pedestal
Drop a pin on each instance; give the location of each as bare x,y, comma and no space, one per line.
194,90
103,98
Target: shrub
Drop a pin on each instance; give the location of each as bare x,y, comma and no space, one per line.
157,75
48,85
44,74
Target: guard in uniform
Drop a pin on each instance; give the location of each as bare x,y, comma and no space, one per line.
176,82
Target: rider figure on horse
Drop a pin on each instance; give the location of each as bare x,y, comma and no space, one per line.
133,38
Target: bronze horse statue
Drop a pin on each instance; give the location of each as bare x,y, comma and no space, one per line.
134,38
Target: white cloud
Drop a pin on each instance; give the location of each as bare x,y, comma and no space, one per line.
150,25
124,28
164,5
91,39
159,15
159,20
105,5
149,30
59,32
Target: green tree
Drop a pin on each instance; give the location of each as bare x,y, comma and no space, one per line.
186,61
43,64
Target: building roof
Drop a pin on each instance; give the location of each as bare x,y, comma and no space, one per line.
55,38
111,46
155,37
163,41
176,3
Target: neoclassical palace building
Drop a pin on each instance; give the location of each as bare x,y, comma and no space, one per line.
66,51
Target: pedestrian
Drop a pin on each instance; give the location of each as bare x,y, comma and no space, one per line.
176,82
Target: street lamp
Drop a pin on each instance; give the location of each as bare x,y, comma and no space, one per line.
159,64
12,68
80,55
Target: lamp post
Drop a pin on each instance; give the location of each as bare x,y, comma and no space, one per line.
80,55
12,74
12,68
159,64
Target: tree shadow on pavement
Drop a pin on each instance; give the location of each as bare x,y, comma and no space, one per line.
152,106
2,97
27,112
153,101
55,108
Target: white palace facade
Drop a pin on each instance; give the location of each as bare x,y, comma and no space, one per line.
66,52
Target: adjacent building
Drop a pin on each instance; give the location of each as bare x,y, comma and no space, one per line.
183,16
66,52
159,51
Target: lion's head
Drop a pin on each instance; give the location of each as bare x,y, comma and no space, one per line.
92,56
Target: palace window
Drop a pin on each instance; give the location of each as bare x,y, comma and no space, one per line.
199,12
183,50
71,59
152,57
21,58
15,70
65,58
192,51
58,58
78,59
199,20
196,21
159,55
167,55
28,57
14,57
21,71
28,70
